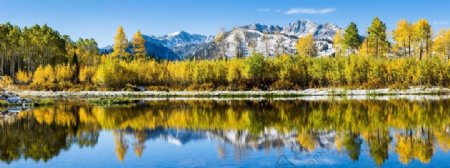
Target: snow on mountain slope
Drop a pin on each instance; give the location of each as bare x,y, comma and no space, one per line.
182,38
269,40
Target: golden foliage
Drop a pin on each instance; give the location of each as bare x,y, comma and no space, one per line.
23,77
306,46
139,50
44,77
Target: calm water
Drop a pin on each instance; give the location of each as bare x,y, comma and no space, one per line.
231,133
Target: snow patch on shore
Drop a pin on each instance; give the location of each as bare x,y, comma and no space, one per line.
308,94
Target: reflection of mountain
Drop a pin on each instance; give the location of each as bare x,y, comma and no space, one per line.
174,136
268,138
412,129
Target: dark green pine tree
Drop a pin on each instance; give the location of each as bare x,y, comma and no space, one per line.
351,38
74,62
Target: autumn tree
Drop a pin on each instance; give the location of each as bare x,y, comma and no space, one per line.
422,33
64,75
364,49
441,44
23,77
120,44
403,37
306,46
86,74
337,43
377,39
87,52
139,50
44,77
351,38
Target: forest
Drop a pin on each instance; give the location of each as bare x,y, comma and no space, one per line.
40,58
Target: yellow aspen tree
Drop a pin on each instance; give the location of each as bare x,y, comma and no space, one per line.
23,77
364,49
422,32
337,43
139,49
306,46
402,36
441,44
120,44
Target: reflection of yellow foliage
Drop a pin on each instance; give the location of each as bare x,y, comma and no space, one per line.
139,145
404,149
339,142
121,145
369,119
86,116
307,140
44,115
417,147
443,138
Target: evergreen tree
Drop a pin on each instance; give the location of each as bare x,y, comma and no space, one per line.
139,50
76,65
351,38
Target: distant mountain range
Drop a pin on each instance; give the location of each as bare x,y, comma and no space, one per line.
269,40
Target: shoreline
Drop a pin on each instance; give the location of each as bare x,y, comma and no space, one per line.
219,94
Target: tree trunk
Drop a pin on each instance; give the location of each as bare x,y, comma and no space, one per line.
420,53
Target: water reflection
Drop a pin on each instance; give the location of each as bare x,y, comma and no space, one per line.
410,129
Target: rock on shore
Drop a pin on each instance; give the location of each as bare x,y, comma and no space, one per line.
13,98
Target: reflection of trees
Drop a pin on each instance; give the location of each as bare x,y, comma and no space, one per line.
416,144
42,134
140,136
417,124
379,145
352,143
121,144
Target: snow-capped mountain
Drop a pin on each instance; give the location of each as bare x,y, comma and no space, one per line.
182,38
269,40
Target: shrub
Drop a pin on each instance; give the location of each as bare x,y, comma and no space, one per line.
64,75
6,82
23,77
87,74
44,78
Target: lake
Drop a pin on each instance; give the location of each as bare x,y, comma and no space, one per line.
231,133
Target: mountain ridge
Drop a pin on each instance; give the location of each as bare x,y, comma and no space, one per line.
269,40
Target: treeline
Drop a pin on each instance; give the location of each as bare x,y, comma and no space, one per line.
40,58
30,47
409,40
253,73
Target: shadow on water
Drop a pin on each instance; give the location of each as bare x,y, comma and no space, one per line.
409,129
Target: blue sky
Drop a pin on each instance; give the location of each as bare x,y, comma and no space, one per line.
99,19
